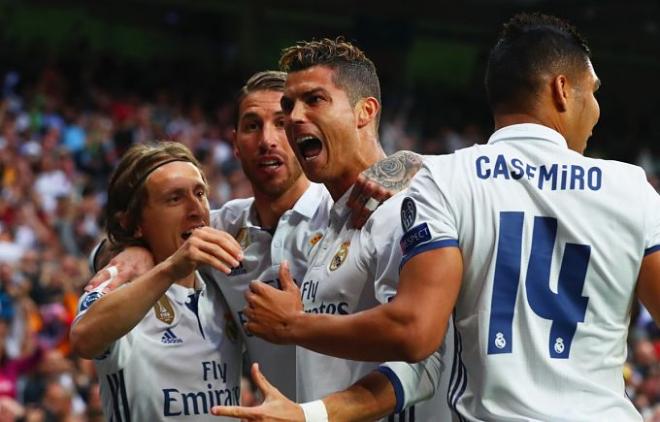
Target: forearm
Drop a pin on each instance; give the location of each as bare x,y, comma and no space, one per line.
370,398
116,313
382,333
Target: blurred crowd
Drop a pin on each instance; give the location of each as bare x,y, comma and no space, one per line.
56,155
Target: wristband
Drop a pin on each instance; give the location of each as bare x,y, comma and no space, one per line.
315,411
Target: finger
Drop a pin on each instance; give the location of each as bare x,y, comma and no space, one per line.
247,413
199,256
215,250
356,195
260,380
286,281
221,238
98,279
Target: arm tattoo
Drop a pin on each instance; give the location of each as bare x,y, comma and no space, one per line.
395,171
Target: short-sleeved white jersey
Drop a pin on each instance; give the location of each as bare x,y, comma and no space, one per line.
552,244
181,359
350,271
297,232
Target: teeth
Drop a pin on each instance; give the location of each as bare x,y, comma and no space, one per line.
304,138
270,163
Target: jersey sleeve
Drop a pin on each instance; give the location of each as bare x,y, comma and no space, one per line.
108,357
414,382
652,226
426,216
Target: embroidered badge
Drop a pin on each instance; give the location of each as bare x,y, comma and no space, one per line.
164,310
408,214
340,256
315,239
243,237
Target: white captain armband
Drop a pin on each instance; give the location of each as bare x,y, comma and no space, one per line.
413,382
315,411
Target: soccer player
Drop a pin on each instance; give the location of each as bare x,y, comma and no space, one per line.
332,104
157,197
283,221
279,222
537,250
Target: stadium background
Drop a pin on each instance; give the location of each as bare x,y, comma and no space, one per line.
82,82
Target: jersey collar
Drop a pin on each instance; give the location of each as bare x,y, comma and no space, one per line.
309,202
181,293
528,132
306,205
339,210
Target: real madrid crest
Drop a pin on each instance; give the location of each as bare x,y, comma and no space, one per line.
340,256
243,237
164,310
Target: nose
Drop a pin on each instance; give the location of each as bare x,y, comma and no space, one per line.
297,114
197,206
269,135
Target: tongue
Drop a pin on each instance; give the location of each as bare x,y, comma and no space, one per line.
311,148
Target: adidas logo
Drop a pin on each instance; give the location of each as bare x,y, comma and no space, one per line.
170,338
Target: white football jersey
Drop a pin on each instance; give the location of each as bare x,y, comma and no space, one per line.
552,244
350,271
180,360
297,232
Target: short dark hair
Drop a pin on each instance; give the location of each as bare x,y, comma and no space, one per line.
127,193
268,80
353,71
529,47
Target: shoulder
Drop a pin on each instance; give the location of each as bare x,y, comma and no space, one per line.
231,213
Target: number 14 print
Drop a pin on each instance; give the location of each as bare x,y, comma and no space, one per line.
565,308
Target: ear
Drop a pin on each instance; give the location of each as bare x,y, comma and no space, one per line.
367,110
560,92
233,144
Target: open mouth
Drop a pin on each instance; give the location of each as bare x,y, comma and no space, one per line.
270,164
309,146
185,235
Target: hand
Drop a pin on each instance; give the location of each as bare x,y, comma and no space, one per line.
276,407
205,246
363,191
127,265
380,181
270,311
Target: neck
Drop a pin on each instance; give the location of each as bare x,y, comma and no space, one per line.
508,119
189,281
270,208
365,158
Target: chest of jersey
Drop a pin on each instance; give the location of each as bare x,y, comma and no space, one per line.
336,278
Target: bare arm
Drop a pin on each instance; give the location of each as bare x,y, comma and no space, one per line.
116,313
648,285
409,328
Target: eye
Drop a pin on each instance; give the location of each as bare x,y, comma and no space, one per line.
173,199
200,193
251,126
287,105
314,99
280,123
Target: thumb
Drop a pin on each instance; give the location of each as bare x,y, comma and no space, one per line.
286,281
